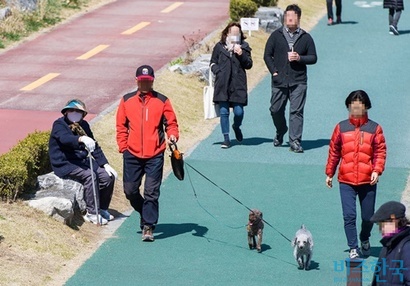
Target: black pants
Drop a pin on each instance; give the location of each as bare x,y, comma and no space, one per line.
103,183
329,4
297,97
134,170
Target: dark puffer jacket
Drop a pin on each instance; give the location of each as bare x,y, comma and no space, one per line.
395,4
360,145
393,266
230,75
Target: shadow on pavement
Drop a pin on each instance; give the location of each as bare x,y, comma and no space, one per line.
248,141
313,144
172,229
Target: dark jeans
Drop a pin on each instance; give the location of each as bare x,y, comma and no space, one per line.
224,114
104,186
297,97
329,4
134,169
367,200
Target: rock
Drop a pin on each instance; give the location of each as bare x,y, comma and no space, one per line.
5,12
199,66
59,208
23,5
58,197
270,18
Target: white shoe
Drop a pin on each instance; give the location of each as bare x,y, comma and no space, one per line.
93,218
353,254
365,248
105,214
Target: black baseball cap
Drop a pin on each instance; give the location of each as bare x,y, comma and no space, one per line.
145,72
387,210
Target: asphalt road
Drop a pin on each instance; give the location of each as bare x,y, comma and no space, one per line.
94,58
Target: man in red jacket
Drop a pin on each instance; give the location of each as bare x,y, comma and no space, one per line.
143,118
360,145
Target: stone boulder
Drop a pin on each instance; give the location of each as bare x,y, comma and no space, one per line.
23,5
270,18
58,197
5,12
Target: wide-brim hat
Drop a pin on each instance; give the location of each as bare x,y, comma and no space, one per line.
75,104
388,210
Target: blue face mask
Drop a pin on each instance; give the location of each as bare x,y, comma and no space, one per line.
74,116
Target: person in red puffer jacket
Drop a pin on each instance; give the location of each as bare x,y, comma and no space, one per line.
359,145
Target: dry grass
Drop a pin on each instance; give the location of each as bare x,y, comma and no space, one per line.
36,250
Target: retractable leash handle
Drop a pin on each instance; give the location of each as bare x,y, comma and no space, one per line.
93,183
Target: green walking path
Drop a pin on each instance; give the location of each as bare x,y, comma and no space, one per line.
193,247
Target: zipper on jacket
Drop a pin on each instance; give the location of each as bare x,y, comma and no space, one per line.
361,137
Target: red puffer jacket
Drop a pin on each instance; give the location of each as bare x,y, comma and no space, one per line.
360,144
140,124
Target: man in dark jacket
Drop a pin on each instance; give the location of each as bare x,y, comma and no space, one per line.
393,266
287,52
71,142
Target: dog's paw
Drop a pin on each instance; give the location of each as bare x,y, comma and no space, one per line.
251,246
259,249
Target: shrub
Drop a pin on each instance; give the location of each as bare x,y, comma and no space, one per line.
20,167
242,9
266,3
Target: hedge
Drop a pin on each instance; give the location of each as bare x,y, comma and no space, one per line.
20,167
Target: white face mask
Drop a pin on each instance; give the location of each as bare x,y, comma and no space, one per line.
74,116
235,39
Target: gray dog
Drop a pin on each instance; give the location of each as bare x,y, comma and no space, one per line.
255,228
303,247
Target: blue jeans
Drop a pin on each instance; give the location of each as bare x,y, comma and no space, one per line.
367,200
224,114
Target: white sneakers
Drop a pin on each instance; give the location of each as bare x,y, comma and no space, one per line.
353,254
105,214
95,219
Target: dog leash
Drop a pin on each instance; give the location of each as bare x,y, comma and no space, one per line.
202,207
209,180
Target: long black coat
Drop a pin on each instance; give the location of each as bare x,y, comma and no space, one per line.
395,4
230,75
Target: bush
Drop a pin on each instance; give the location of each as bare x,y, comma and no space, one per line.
266,3
20,167
242,9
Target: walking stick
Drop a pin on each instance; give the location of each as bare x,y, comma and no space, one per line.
94,191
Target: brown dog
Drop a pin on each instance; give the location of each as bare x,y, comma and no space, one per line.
255,228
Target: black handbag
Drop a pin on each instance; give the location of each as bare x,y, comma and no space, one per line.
177,161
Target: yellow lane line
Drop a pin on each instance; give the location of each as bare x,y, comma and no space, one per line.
92,52
40,81
172,7
135,28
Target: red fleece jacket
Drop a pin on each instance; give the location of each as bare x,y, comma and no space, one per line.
141,122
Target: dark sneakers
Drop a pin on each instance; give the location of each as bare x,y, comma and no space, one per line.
147,234
278,140
394,30
295,147
238,133
226,144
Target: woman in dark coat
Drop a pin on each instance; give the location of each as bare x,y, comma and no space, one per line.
393,266
231,56
395,7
